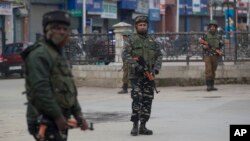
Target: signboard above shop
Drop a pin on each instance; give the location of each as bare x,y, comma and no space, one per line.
154,14
193,7
142,6
5,8
109,10
91,5
76,13
127,4
46,1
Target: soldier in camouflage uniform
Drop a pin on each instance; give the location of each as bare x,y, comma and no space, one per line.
125,66
142,45
50,88
212,50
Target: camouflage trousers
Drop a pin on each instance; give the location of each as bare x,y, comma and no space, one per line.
142,95
125,73
211,63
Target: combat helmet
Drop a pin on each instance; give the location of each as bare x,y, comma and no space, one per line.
213,22
57,16
141,18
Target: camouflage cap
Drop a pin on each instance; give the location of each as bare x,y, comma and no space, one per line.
140,19
57,16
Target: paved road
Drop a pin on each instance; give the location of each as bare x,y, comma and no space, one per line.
179,113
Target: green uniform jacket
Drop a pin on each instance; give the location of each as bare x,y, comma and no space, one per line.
214,41
49,83
144,46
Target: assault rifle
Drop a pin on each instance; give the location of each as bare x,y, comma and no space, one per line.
45,122
147,73
204,43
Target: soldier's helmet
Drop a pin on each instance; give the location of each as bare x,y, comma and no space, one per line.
57,16
140,19
213,22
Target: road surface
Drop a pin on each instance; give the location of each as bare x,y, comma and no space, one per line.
178,113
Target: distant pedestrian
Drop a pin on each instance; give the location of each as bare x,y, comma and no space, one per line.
145,58
211,44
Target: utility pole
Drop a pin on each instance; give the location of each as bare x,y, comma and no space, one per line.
211,9
83,16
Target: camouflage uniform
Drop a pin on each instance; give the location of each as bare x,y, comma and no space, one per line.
142,92
211,57
125,66
50,88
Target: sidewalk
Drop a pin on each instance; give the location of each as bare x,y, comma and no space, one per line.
178,113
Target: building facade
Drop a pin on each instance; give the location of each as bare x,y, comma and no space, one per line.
13,22
20,20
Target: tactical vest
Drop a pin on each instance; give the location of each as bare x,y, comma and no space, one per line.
213,40
145,47
62,82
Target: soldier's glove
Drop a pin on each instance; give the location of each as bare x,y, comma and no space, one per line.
61,123
82,123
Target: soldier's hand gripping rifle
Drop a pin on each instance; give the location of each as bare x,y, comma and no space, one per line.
206,45
147,73
45,122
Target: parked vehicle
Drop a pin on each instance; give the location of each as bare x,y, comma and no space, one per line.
10,59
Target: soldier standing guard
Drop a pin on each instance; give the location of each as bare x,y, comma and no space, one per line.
141,47
125,66
211,44
50,88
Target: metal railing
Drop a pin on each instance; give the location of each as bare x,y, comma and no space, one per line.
176,47
184,47
180,47
91,49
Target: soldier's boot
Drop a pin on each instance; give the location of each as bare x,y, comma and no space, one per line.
212,86
135,130
209,85
124,89
144,131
